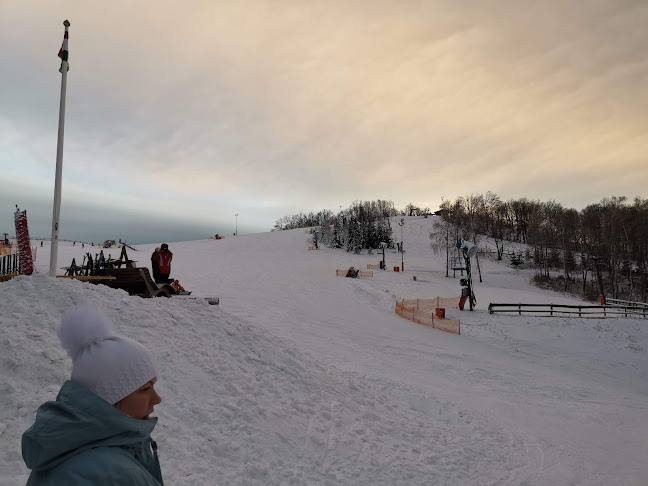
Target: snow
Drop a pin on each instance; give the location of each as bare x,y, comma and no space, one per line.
301,377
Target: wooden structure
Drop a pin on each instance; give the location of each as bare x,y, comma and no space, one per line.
83,278
123,274
118,274
7,277
137,281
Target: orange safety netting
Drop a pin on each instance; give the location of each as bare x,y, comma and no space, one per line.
431,304
427,318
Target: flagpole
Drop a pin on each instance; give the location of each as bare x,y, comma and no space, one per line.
59,162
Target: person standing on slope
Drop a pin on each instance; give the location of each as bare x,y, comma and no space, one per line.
98,431
154,265
163,259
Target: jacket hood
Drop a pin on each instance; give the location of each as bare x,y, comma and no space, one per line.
79,420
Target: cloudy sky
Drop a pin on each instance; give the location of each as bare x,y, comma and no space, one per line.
182,114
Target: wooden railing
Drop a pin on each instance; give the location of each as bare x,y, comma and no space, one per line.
570,310
626,303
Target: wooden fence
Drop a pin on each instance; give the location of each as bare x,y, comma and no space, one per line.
427,318
626,303
599,311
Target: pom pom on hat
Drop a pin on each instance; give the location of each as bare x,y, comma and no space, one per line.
110,365
82,327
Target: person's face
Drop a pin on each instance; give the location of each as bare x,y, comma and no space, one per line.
141,402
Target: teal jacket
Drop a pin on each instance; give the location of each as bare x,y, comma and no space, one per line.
80,439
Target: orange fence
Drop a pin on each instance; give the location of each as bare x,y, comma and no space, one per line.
427,318
431,304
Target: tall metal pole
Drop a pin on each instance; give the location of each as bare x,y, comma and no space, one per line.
59,161
401,224
236,228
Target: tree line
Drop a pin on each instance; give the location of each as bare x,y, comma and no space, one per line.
602,249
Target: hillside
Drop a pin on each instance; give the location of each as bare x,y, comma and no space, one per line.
301,377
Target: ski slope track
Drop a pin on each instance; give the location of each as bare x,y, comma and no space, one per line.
300,377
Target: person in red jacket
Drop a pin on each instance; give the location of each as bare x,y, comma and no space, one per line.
163,259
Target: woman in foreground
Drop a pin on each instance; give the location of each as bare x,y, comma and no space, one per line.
98,431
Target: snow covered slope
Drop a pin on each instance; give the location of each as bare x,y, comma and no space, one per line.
302,377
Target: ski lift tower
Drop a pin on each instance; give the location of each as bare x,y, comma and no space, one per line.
401,224
382,245
467,250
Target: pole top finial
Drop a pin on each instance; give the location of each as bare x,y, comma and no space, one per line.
66,23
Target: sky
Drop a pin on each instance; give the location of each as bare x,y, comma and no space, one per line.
299,377
193,113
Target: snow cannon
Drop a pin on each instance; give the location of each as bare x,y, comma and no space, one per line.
467,248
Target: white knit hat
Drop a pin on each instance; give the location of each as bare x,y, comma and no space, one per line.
108,364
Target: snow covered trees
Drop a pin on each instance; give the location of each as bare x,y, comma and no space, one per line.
363,225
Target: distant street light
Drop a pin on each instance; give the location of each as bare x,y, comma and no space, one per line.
401,224
236,230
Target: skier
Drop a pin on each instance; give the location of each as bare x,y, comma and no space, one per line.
98,431
154,265
163,259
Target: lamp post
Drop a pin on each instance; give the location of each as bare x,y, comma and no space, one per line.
236,227
401,224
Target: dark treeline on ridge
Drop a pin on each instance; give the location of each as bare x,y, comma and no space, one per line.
600,250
